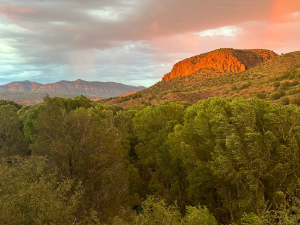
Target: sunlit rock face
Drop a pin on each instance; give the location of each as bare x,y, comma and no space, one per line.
79,87
225,60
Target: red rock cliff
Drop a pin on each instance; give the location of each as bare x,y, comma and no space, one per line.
224,60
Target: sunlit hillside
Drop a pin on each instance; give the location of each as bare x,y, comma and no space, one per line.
273,79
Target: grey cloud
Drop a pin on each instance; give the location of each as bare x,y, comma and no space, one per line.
128,41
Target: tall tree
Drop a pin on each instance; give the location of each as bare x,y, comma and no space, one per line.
12,140
85,145
238,153
164,175
31,194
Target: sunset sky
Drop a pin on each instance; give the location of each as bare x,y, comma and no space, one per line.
133,42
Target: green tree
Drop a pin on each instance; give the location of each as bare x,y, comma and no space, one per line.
156,211
7,102
161,174
86,146
238,153
31,194
12,140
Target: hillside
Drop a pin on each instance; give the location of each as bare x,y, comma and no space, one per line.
77,87
274,78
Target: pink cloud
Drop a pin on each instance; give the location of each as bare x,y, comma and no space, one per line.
16,13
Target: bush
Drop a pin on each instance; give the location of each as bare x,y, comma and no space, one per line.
151,97
199,216
156,211
31,194
285,85
251,219
297,76
233,88
146,103
285,101
261,95
137,95
244,86
294,83
281,92
124,99
277,95
282,77
293,92
276,84
295,100
292,76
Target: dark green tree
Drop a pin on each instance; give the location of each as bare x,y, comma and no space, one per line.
163,175
85,145
31,194
238,154
12,140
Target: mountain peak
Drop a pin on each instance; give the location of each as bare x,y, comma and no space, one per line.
224,60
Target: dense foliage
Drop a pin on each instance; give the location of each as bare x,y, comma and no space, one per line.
220,161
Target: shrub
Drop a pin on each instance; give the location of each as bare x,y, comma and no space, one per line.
285,85
151,97
282,77
281,92
261,95
233,88
124,99
137,95
295,100
285,101
251,219
294,83
156,211
146,103
244,86
297,76
199,216
276,84
277,95
292,76
293,92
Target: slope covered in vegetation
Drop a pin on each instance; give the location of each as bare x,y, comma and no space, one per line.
260,80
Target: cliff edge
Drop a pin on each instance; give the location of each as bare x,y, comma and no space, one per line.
225,60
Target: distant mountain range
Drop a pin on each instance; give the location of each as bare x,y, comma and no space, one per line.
77,87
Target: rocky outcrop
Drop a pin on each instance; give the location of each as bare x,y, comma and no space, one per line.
224,60
78,87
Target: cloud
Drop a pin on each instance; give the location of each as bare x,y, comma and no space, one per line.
134,42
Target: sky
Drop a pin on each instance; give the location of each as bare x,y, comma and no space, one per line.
134,42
